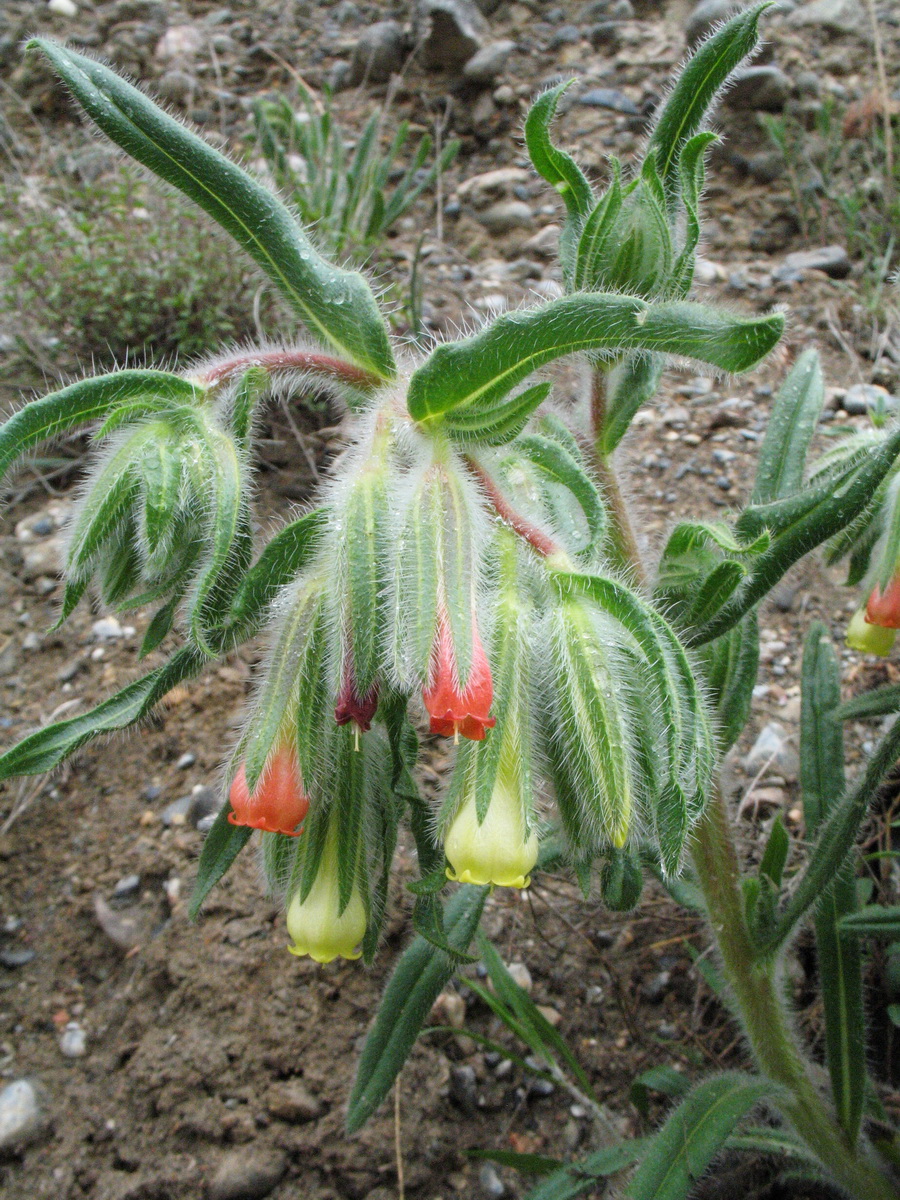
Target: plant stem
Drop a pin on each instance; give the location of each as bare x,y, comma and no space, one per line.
621,533
754,985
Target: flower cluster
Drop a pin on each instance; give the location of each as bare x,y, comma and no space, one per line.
443,592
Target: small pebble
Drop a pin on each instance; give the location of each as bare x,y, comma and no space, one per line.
73,1041
22,1116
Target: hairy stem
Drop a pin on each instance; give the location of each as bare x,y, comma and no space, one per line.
754,984
624,544
283,361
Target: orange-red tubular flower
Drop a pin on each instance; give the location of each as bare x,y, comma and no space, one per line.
453,711
884,607
350,706
279,804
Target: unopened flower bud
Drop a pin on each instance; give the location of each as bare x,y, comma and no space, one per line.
317,925
869,638
278,803
350,706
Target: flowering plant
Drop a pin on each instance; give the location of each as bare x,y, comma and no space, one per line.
471,561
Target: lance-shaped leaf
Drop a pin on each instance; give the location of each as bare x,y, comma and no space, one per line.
109,497
500,424
479,371
560,170
696,90
629,385
692,171
222,845
556,462
730,664
839,955
694,1134
799,524
420,976
882,702
45,749
875,920
589,1174
792,423
365,542
82,402
283,558
336,305
227,536
161,476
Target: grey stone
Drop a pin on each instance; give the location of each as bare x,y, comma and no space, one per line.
657,986
836,16
609,98
204,802
187,760
490,1182
765,166
566,35
139,10
378,54
463,1088
488,6
832,260
448,33
863,398
125,929
294,1102
10,656
707,15
247,1174
489,62
604,33
176,813
16,956
128,885
73,1041
608,10
176,85
762,89
505,216
773,748
23,1118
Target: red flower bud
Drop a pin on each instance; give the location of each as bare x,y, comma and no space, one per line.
279,803
884,609
351,706
453,711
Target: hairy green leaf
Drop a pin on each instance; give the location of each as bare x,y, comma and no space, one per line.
481,370
792,423
336,305
418,979
222,845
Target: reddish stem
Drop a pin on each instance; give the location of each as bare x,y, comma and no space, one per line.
524,528
292,360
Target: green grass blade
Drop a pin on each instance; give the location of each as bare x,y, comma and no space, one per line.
338,306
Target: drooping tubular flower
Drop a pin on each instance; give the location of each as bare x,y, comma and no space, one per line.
499,850
883,608
279,803
318,925
453,709
350,706
869,637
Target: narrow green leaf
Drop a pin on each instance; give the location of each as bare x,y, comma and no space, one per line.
222,845
159,626
528,1164
481,370
792,423
629,385
875,920
831,509
821,736
81,402
585,1174
500,424
776,852
552,164
418,979
45,749
284,557
694,1134
882,702
338,306
731,664
697,87
559,464
663,1079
